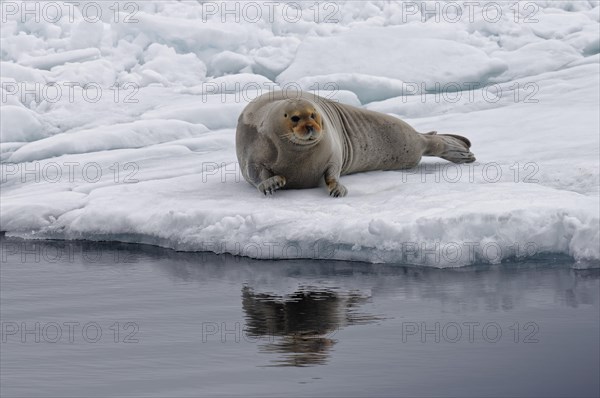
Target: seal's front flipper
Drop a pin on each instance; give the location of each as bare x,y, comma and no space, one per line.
332,179
454,148
335,189
270,185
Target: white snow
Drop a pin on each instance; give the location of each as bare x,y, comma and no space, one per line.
388,53
51,60
124,128
19,124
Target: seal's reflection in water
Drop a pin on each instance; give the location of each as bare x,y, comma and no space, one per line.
172,295
301,326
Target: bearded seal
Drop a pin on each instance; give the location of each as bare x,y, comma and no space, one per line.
298,141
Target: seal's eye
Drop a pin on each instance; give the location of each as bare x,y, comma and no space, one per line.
312,116
285,115
295,119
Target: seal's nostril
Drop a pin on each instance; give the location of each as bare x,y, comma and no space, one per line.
309,129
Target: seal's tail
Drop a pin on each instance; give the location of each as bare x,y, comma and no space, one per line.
454,148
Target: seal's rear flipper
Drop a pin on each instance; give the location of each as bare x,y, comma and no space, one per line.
454,148
459,137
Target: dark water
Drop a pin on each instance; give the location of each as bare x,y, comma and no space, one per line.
89,319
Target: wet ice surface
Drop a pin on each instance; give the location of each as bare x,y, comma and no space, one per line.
194,324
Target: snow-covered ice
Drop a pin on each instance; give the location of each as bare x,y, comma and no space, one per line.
123,127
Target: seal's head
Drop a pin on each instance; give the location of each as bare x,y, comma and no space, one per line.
302,123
